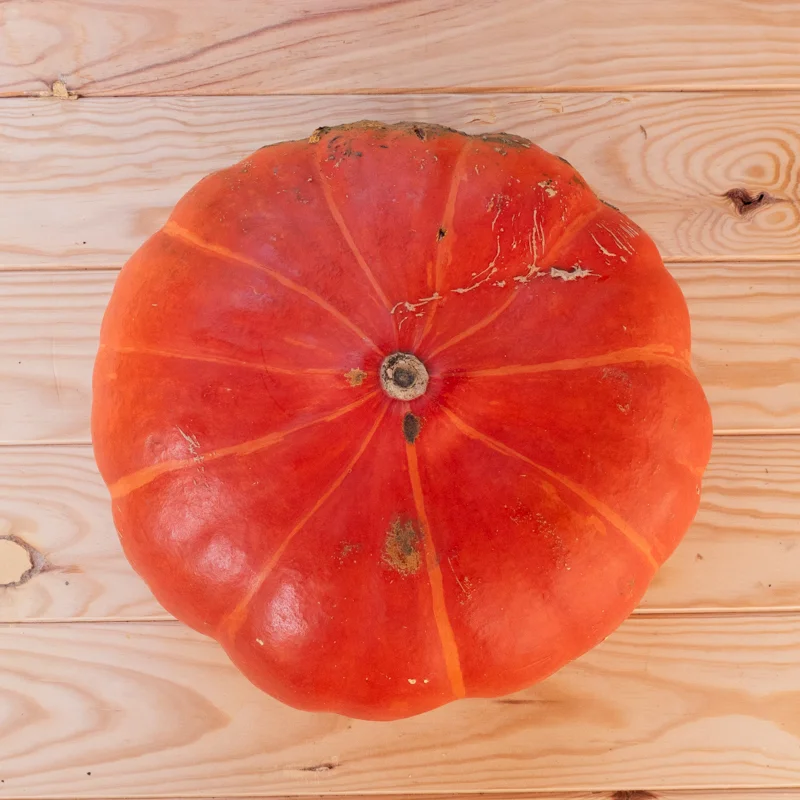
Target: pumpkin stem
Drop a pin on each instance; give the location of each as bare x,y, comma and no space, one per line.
403,376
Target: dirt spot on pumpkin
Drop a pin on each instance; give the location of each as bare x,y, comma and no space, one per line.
401,549
411,427
355,377
349,549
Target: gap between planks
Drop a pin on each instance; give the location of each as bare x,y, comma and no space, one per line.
742,612
710,88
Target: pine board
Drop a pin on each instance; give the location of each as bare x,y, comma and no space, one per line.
151,709
318,46
87,181
742,553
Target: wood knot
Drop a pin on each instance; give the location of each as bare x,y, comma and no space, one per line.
19,562
746,204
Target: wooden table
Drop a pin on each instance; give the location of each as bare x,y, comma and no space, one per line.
112,110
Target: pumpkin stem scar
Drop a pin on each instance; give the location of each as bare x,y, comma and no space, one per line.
638,541
446,636
234,620
403,376
140,478
175,231
445,241
348,237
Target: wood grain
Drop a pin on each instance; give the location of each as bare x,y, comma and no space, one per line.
745,317
92,710
86,182
53,499
313,46
742,553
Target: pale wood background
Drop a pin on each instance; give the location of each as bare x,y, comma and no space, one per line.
664,107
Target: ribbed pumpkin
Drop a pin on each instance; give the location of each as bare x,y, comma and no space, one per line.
398,415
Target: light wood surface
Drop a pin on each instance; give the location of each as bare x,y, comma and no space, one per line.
745,317
684,114
88,181
740,554
312,46
151,708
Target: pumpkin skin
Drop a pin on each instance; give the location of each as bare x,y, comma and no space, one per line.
279,485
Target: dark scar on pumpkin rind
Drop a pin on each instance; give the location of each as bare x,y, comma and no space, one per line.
411,427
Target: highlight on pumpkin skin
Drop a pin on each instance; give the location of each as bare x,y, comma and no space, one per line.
445,629
660,355
231,624
636,539
171,228
142,477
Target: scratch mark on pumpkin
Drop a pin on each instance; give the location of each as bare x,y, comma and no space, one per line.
602,249
405,305
194,445
233,621
176,231
636,540
535,241
139,478
573,274
619,240
547,185
491,269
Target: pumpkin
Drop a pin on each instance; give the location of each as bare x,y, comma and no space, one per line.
398,415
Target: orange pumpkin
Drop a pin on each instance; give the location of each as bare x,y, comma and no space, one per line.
398,415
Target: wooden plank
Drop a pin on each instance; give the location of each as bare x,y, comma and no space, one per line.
155,709
745,317
742,553
255,47
86,182
53,500
616,794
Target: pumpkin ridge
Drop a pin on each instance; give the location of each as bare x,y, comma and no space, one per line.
231,623
171,228
636,539
444,627
567,232
136,480
348,237
445,243
487,320
234,362
650,355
